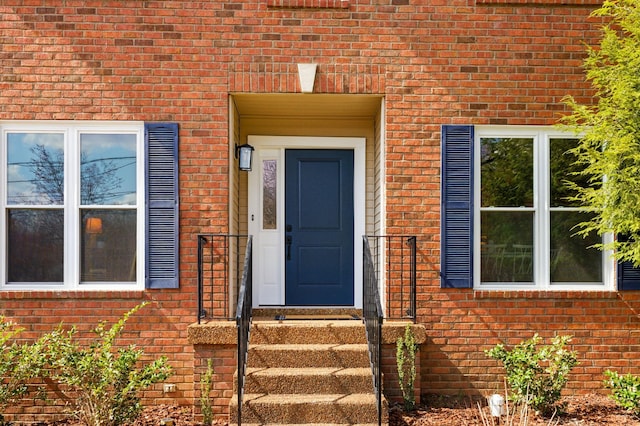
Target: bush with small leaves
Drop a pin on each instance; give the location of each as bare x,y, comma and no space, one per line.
19,363
625,390
101,383
406,350
206,385
537,374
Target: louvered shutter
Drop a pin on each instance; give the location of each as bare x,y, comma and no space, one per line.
162,205
456,263
628,276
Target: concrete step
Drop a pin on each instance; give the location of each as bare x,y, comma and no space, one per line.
303,371
305,313
308,380
301,409
305,332
306,424
300,356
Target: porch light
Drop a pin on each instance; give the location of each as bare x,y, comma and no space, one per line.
245,153
94,225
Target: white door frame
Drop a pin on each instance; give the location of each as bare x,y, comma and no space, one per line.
268,252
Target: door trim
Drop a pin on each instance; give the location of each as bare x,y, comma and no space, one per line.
274,147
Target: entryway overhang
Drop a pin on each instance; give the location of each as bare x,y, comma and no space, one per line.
284,106
310,116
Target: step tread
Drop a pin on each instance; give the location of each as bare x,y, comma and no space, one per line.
298,399
310,323
316,355
307,424
309,371
310,346
305,408
315,331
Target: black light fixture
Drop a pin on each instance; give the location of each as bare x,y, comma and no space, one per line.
245,153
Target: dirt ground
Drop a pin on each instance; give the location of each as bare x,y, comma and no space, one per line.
586,410
438,410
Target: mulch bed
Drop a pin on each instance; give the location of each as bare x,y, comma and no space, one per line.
437,410
584,410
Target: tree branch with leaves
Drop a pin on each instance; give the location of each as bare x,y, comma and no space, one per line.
609,149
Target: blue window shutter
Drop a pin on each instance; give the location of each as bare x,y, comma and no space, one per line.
162,205
628,276
456,263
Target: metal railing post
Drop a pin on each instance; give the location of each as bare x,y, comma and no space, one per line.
243,323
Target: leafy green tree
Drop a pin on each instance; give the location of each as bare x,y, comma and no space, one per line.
609,149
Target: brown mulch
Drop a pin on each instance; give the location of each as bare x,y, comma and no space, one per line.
439,410
585,410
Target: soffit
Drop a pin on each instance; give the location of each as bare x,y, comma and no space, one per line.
307,105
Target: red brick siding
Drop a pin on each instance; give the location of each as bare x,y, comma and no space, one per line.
437,62
464,324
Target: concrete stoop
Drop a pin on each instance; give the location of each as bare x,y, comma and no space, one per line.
308,372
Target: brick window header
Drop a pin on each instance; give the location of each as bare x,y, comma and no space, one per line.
309,4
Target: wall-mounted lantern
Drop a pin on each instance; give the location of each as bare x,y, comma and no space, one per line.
245,153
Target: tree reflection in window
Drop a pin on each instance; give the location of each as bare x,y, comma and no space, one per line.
507,172
507,216
35,235
35,169
572,258
36,178
35,251
108,169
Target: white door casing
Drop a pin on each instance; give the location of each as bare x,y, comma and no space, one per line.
268,253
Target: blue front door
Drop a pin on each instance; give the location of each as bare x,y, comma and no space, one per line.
319,227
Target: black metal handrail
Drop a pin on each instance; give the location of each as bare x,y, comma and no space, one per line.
373,316
220,266
243,323
394,258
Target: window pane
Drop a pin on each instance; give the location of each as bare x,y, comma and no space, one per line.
35,250
108,245
506,246
108,169
35,168
269,196
506,172
562,169
571,258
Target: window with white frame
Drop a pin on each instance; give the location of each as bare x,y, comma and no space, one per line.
525,218
72,205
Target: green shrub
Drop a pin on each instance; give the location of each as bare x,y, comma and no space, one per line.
625,390
100,383
406,349
18,365
537,375
206,384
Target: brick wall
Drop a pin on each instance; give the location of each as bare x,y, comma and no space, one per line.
224,366
436,62
463,324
